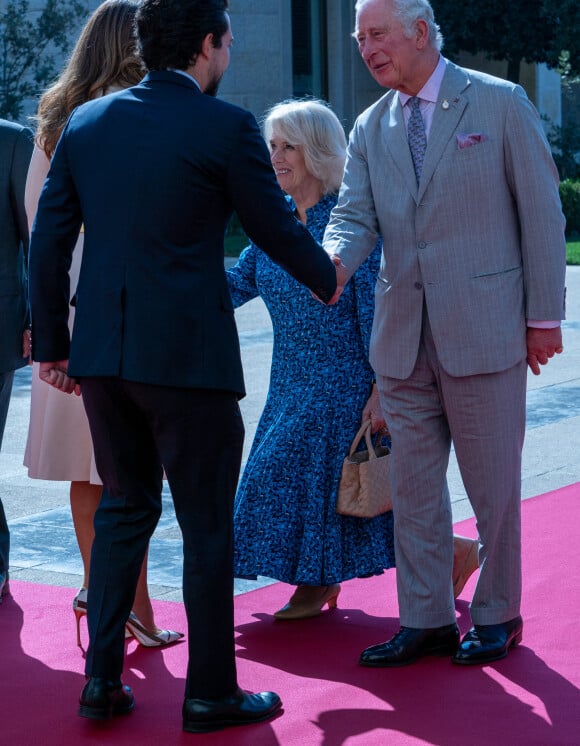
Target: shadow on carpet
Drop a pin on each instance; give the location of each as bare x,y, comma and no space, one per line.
529,699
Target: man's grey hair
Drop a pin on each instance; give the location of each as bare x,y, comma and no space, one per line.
410,11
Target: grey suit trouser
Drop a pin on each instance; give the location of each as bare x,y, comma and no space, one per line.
484,417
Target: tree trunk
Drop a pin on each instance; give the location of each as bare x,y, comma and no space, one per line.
513,70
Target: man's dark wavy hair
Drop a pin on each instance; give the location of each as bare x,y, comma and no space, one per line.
170,32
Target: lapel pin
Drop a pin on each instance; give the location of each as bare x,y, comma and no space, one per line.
445,104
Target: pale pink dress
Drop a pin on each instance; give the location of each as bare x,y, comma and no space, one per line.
59,445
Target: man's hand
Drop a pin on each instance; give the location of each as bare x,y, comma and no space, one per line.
55,374
341,278
542,345
373,412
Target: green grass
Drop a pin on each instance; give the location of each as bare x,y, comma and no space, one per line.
235,243
235,240
573,252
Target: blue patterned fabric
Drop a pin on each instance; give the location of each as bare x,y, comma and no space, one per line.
286,526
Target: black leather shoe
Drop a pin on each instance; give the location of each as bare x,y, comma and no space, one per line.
241,708
485,643
409,644
101,699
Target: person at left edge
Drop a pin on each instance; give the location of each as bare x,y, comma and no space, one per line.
154,173
16,144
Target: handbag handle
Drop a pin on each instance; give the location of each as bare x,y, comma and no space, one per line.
364,431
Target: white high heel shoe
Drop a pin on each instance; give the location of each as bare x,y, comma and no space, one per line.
151,638
133,628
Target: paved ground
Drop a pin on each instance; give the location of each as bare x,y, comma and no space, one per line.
43,543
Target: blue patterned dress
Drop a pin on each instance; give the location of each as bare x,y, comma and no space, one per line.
285,522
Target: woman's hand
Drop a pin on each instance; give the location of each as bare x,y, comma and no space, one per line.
55,374
373,412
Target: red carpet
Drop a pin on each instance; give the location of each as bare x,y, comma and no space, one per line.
531,698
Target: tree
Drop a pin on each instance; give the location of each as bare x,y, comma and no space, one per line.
565,139
533,31
29,41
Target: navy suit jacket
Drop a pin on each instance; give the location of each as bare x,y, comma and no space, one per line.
154,173
15,151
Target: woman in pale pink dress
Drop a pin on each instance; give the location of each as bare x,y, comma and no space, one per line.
59,445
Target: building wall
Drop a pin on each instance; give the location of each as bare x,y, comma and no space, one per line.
261,70
541,84
260,73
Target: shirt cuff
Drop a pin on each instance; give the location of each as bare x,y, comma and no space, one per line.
543,324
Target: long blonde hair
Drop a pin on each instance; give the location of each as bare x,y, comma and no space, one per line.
104,56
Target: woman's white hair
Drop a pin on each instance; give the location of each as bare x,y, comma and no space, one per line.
312,125
410,11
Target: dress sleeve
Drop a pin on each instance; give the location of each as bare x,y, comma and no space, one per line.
242,277
364,281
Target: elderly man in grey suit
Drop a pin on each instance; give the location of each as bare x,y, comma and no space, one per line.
452,169
15,152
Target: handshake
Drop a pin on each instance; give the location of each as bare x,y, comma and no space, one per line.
342,278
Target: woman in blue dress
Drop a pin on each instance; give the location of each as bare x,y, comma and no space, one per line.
321,387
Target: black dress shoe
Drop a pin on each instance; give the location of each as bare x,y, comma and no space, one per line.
485,643
241,708
409,644
101,699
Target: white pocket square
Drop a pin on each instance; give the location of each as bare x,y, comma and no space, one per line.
466,141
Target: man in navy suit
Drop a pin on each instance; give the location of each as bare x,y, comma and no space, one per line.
15,152
154,173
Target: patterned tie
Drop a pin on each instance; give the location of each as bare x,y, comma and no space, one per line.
417,136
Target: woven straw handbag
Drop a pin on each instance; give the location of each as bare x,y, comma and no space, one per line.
364,489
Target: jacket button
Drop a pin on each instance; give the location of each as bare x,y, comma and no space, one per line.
422,244
419,285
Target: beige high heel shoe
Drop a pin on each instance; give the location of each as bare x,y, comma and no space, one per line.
309,600
465,561
151,638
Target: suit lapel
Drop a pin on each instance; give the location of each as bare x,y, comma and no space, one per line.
445,121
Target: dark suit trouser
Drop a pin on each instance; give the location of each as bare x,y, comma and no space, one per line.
6,380
197,437
484,417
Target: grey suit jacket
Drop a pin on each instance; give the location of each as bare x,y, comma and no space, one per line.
480,239
15,152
